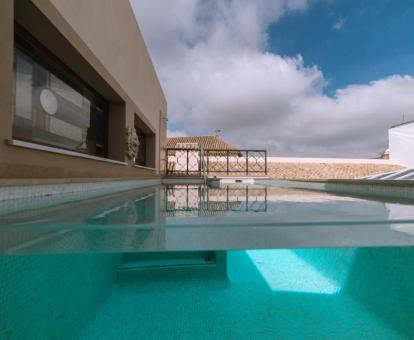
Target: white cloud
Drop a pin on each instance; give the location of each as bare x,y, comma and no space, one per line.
212,62
339,24
176,133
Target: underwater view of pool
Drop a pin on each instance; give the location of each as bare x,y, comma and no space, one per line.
197,262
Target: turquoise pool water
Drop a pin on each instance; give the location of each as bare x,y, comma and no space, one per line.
88,280
316,293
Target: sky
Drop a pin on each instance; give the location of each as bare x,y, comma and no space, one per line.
300,78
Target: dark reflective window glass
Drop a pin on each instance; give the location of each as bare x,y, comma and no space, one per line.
142,149
53,107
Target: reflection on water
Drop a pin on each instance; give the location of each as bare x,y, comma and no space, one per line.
197,200
139,210
194,217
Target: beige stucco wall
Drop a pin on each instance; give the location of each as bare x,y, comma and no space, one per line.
110,30
100,41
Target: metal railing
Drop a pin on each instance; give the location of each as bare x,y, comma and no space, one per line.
201,162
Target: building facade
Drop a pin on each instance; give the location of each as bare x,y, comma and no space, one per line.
401,142
78,92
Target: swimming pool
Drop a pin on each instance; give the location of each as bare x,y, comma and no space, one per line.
189,261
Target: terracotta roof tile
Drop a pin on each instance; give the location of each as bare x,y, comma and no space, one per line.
207,142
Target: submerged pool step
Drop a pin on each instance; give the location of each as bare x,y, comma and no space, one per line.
167,260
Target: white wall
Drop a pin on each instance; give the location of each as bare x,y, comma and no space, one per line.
401,144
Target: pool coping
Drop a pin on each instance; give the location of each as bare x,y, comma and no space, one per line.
91,187
397,189
392,182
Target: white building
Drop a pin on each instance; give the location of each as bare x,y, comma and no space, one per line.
401,144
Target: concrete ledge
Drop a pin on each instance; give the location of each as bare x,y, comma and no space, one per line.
144,167
39,147
7,182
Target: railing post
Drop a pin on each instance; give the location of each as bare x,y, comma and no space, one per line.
187,162
207,161
227,197
227,162
265,153
200,162
247,162
166,162
187,208
247,198
208,199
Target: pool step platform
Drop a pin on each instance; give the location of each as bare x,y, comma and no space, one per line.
144,261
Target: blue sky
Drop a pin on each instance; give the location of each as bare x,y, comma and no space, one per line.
376,39
319,78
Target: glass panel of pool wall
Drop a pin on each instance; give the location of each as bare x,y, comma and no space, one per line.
200,218
289,263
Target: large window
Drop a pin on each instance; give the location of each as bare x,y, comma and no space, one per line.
142,150
146,151
54,107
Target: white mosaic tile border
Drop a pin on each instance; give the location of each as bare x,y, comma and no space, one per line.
13,198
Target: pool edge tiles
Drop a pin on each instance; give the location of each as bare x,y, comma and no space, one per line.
38,196
86,189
